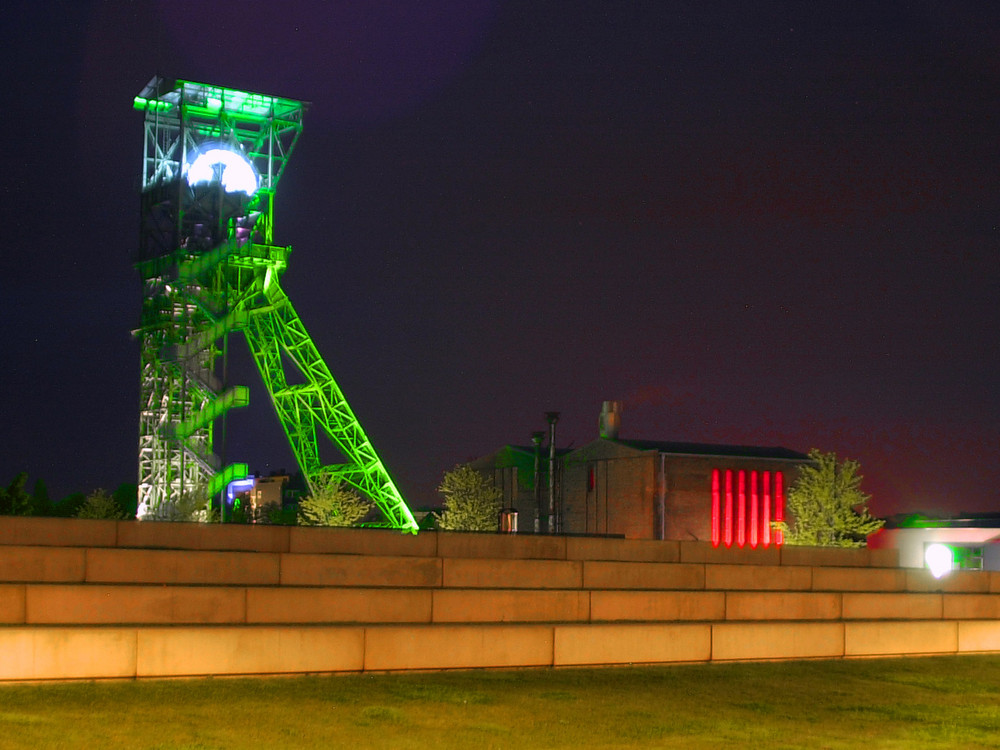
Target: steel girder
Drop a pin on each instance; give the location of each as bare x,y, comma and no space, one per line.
317,407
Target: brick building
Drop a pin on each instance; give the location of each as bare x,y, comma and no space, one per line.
643,489
512,468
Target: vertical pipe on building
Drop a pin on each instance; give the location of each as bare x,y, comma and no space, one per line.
661,501
552,417
591,493
515,488
536,440
607,522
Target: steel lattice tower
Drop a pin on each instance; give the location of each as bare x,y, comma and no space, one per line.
211,164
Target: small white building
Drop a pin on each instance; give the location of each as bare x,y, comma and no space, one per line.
973,538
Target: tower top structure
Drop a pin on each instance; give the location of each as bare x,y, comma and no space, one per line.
186,115
198,134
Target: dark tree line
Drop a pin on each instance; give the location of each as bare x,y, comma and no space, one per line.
15,500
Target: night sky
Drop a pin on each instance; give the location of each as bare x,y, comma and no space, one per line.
766,223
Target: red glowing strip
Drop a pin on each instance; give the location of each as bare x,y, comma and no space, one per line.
779,506
765,522
729,508
741,511
754,501
715,507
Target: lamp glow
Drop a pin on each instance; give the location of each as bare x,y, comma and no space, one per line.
939,559
231,168
239,485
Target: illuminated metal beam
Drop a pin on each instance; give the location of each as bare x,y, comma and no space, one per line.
318,407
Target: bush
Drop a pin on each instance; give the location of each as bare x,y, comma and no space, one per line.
471,502
282,516
99,504
332,504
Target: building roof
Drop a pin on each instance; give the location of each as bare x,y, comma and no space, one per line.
710,449
515,455
963,521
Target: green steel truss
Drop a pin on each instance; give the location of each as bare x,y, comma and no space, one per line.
209,270
317,407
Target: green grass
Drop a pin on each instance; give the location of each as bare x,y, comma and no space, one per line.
906,703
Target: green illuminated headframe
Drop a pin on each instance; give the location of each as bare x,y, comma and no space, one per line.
181,115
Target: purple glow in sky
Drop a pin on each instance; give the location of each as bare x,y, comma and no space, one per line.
361,61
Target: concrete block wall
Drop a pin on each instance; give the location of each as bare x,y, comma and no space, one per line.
96,599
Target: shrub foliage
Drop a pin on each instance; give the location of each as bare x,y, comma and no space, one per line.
14,500
332,504
827,506
99,504
471,502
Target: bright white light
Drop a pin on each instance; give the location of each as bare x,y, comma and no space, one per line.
231,168
939,559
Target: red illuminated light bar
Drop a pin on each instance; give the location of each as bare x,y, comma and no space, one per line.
731,524
779,507
766,520
741,511
715,508
728,531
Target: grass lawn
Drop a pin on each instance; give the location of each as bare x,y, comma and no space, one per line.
904,703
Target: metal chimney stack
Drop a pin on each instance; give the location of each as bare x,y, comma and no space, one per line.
536,440
610,420
552,417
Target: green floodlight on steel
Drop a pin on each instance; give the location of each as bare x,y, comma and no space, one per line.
212,159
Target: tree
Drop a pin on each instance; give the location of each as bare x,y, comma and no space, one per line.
14,501
41,503
68,506
99,504
127,496
471,502
827,505
332,504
